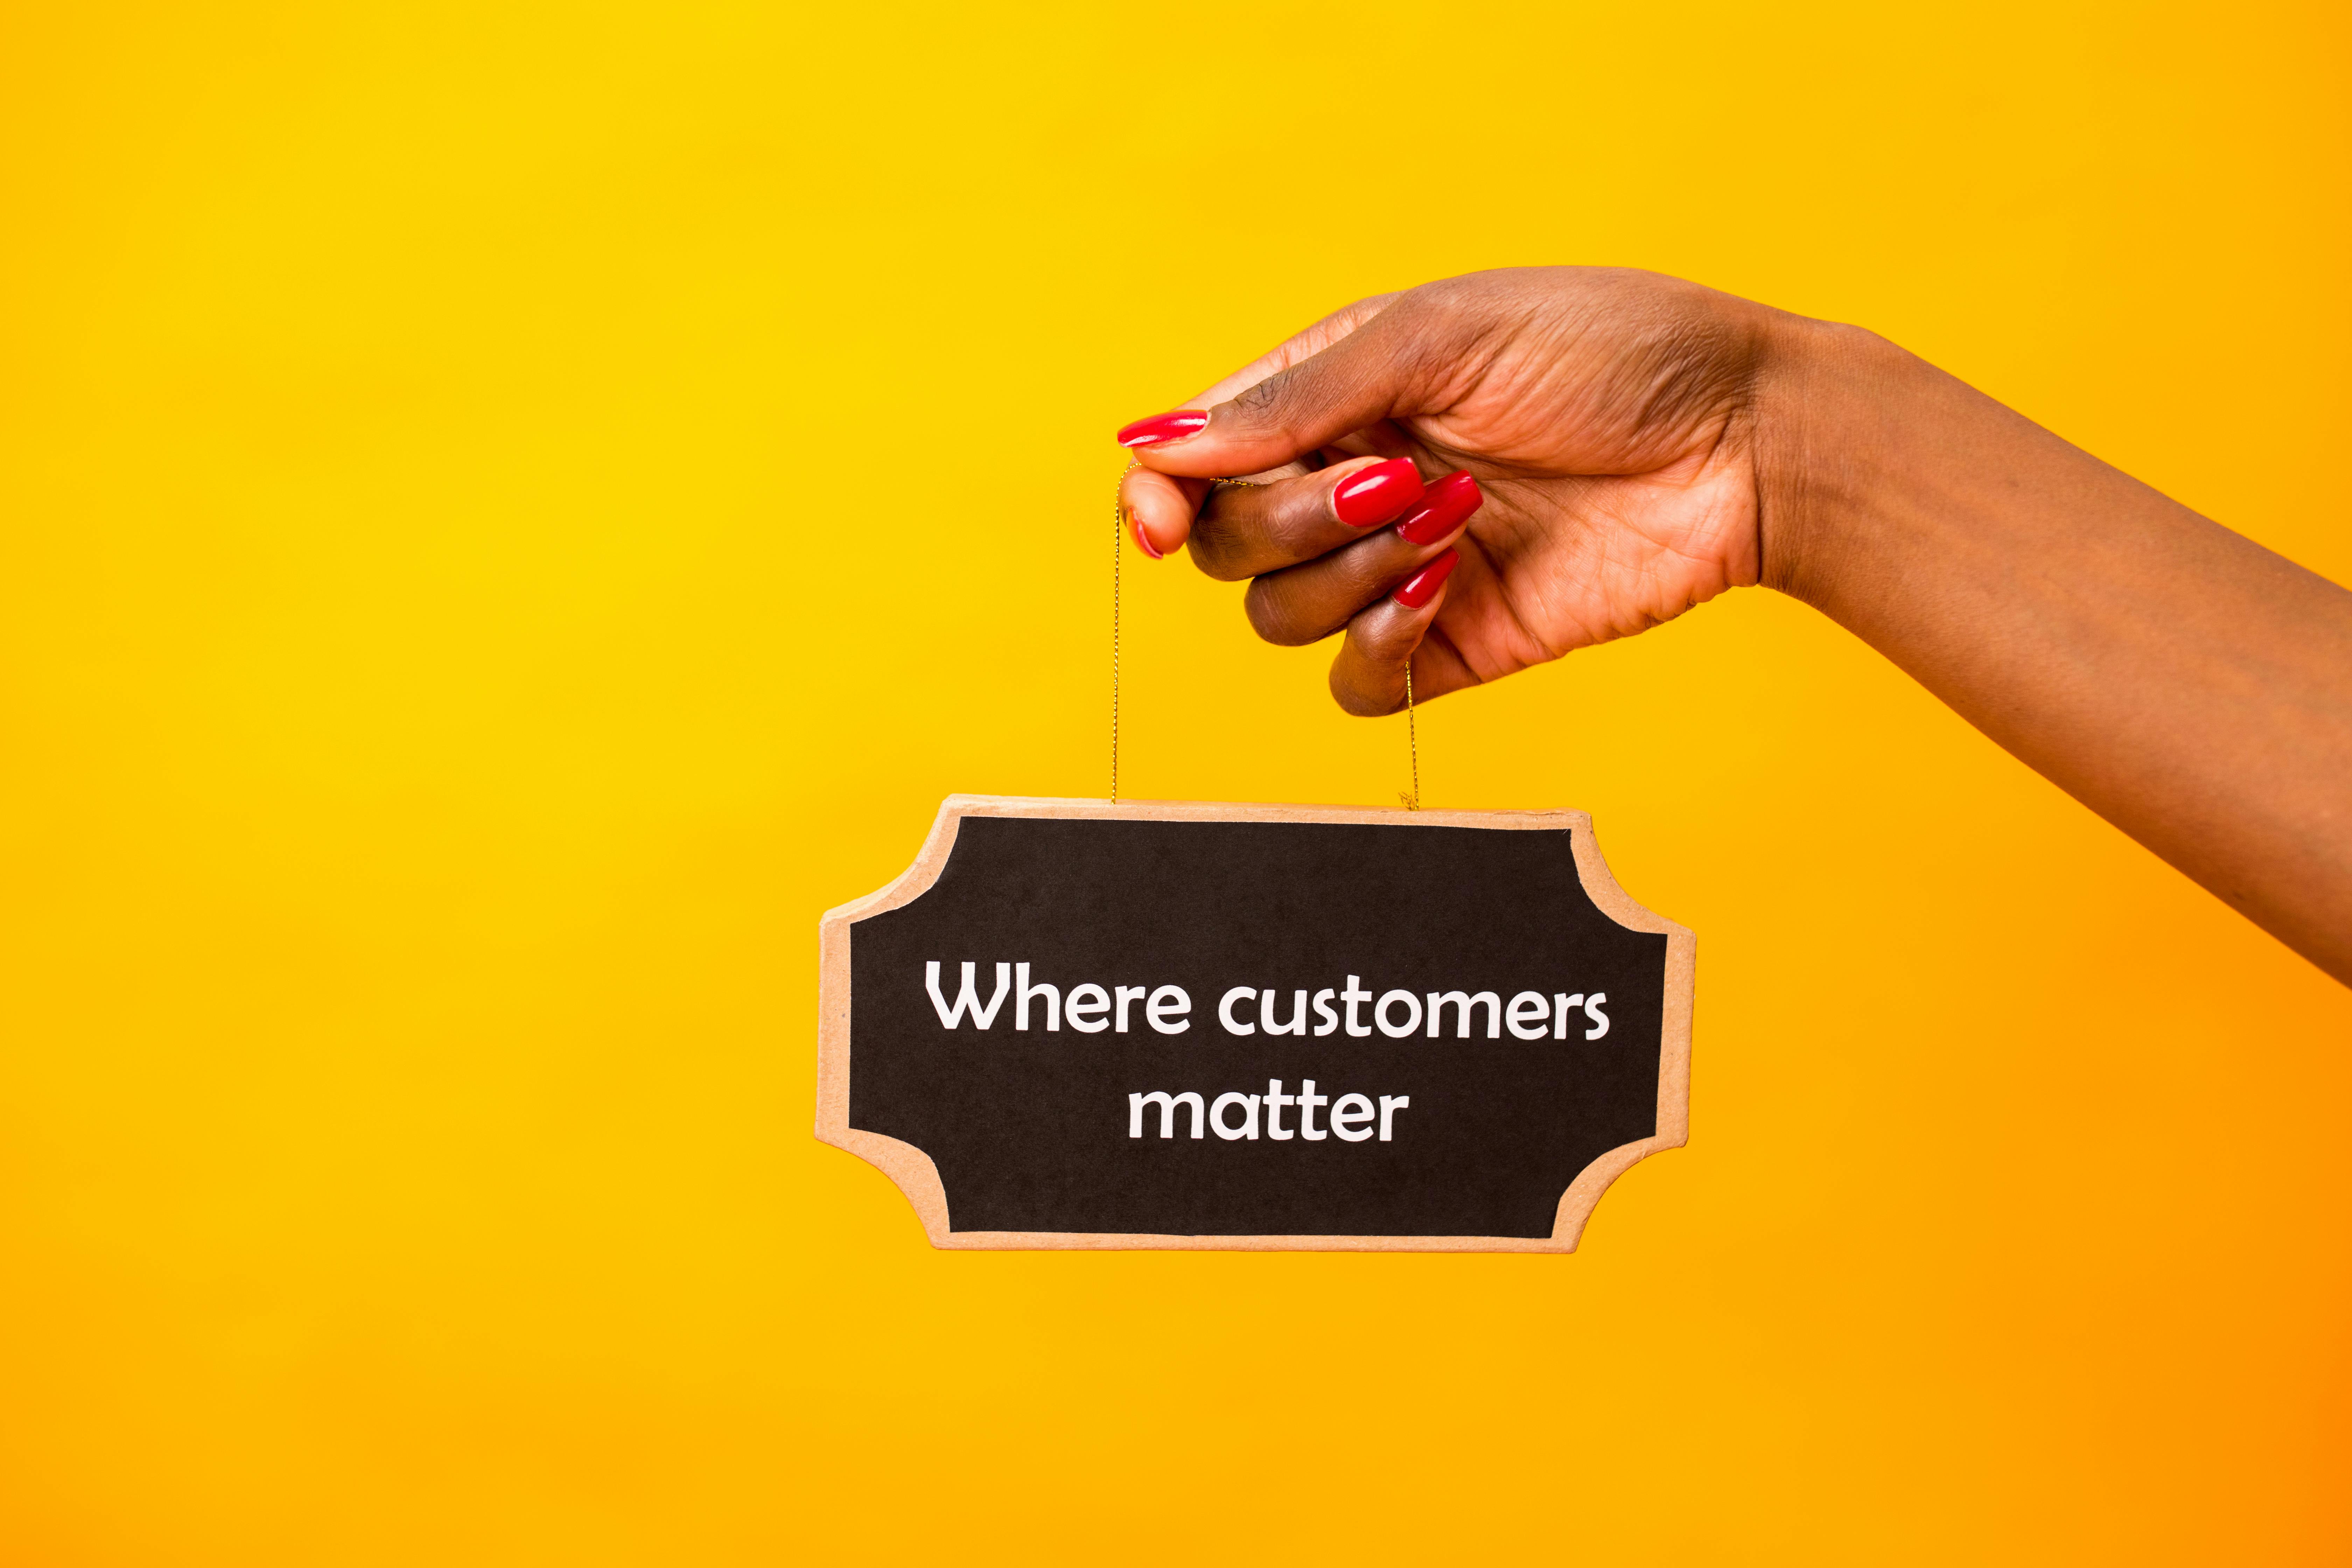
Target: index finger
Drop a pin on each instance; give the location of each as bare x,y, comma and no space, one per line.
1408,357
1160,507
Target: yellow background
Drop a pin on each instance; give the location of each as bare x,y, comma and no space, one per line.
512,510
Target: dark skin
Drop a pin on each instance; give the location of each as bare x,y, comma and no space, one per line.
1644,444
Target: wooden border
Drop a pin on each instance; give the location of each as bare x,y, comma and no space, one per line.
918,1178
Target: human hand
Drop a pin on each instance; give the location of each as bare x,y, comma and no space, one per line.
1608,418
1644,444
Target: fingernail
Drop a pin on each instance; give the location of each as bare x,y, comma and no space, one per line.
1142,540
1422,586
1161,428
1440,512
1371,496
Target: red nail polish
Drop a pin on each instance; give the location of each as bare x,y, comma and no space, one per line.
1441,510
1143,540
1422,586
1371,496
1162,428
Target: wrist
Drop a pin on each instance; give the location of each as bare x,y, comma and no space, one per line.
1827,415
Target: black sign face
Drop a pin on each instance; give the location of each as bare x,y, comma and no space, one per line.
1250,1025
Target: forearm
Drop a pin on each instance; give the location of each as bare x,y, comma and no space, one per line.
2187,685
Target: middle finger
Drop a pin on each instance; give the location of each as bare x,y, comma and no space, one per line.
1308,602
1247,531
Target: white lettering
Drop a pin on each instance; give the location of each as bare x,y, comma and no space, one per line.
1022,994
1307,1100
1274,1100
1349,1113
1167,1104
968,999
1592,1010
1529,1018
1354,996
1225,1010
1297,1024
1128,994
1330,1024
1086,1013
1462,1001
1168,1001
1561,1005
1217,1117
1394,1032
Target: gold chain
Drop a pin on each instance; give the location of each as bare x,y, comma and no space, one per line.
1412,740
1117,549
1117,555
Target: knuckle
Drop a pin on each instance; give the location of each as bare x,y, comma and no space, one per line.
1265,408
1216,548
1353,697
1273,614
1256,398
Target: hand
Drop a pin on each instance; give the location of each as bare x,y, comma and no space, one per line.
1642,445
1608,418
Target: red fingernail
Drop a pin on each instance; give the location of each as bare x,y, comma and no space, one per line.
1440,512
1162,428
1142,540
1373,495
1422,586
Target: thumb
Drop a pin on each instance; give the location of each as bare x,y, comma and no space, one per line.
1391,366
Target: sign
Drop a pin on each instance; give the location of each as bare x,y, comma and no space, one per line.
1174,1025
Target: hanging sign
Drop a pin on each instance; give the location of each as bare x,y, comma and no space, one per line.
1077,1024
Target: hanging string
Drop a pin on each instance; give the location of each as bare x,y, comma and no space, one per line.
1117,549
1117,557
1411,741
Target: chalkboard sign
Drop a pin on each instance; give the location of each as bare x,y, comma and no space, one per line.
1076,1025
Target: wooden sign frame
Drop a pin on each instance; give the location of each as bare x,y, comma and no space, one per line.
918,1177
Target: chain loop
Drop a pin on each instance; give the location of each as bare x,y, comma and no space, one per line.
1119,523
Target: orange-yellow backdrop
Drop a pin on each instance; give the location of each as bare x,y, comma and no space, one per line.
511,510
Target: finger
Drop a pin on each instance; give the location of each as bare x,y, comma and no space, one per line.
1158,516
1368,677
1299,345
1308,603
1252,529
1158,508
1401,360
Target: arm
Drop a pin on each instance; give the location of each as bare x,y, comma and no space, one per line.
2183,682
1635,446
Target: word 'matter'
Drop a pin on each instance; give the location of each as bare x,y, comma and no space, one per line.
1351,1114
1090,1008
